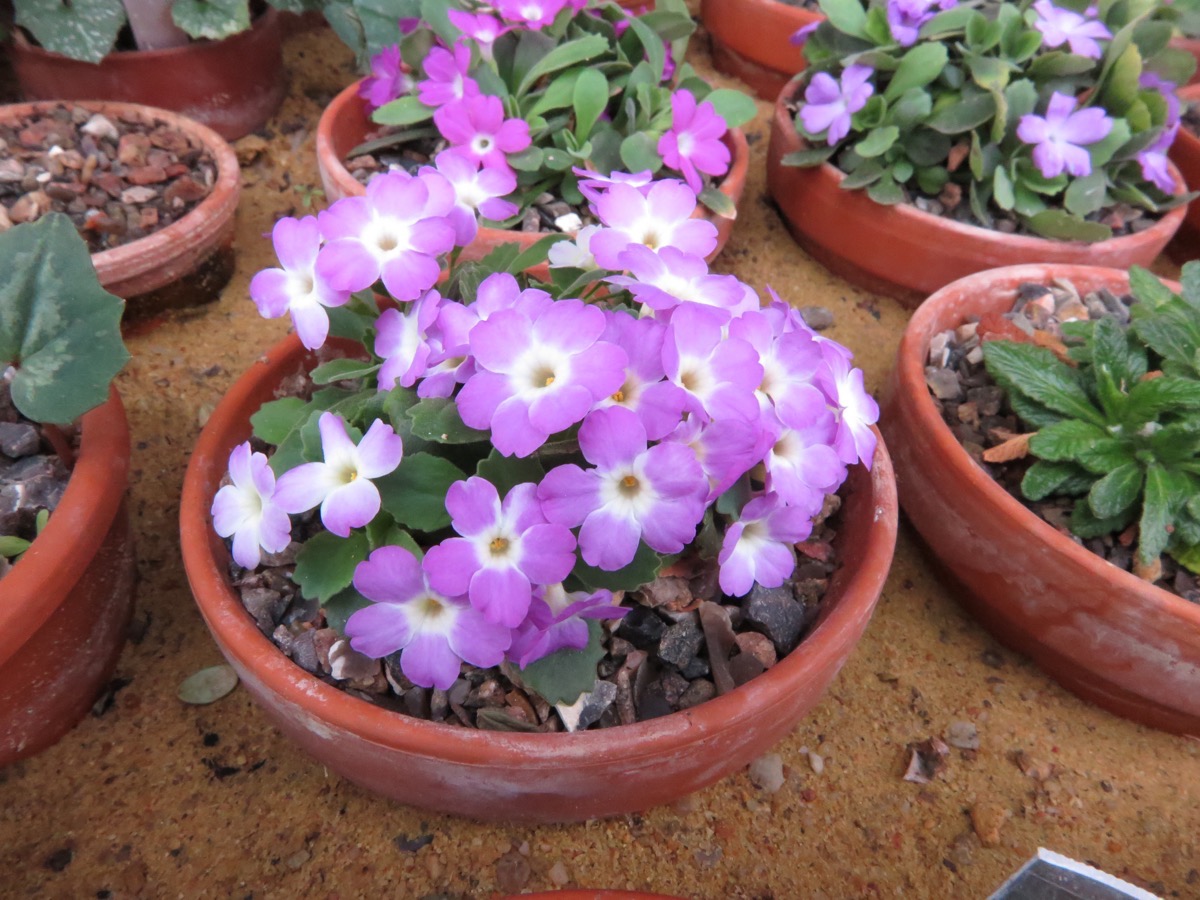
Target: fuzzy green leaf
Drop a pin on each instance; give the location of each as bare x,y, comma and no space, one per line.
735,107
1149,290
563,56
719,203
1066,440
1086,195
403,111
58,326
565,674
964,114
276,419
83,29
639,152
1037,373
877,142
810,156
1085,524
589,97
211,19
325,564
1062,226
342,606
918,67
436,419
415,494
1116,492
343,370
1153,535
847,16
12,546
1113,349
1045,478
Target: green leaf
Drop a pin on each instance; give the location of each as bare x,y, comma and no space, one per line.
325,564
588,99
563,56
1150,291
58,326
1156,515
1045,478
83,29
1121,85
719,203
403,111
1058,64
886,192
11,546
1066,440
877,142
528,160
535,254
988,72
914,106
276,419
1085,524
341,607
810,156
1002,189
639,152
1173,333
415,494
1112,349
342,370
643,569
1037,373
506,472
1116,492
1105,455
1062,226
918,67
847,16
963,115
211,19
735,107
1086,195
436,419
565,674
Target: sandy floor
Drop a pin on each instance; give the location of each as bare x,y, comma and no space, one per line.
129,804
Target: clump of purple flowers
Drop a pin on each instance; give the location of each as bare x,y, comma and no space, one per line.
498,458
1045,119
534,123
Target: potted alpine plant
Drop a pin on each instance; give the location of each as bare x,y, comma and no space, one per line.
529,506
964,136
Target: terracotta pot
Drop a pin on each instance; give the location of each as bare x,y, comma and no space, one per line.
1102,633
232,86
751,40
67,601
1185,153
190,260
908,254
523,777
345,123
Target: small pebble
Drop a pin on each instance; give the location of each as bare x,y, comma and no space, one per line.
766,772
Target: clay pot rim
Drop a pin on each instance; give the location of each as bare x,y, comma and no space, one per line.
166,56
225,615
201,222
39,581
910,218
732,186
993,500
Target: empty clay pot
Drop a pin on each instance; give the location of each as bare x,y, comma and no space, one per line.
751,40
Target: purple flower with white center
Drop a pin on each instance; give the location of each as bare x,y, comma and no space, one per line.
538,373
246,509
726,449
401,340
593,185
480,28
789,359
436,634
387,80
829,105
1064,26
660,218
505,549
341,485
297,288
718,373
395,232
657,402
758,546
693,143
534,13
905,17
446,76
1169,92
802,465
477,192
1059,138
633,494
856,410
669,277
1156,168
557,621
577,253
477,126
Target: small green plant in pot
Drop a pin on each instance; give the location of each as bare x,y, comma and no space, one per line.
1118,420
60,346
1052,120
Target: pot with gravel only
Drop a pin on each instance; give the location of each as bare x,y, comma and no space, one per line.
219,64
905,179
66,554
153,192
1119,640
759,41
468,561
589,106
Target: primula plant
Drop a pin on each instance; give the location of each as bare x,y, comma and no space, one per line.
1119,423
1046,114
520,99
493,463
